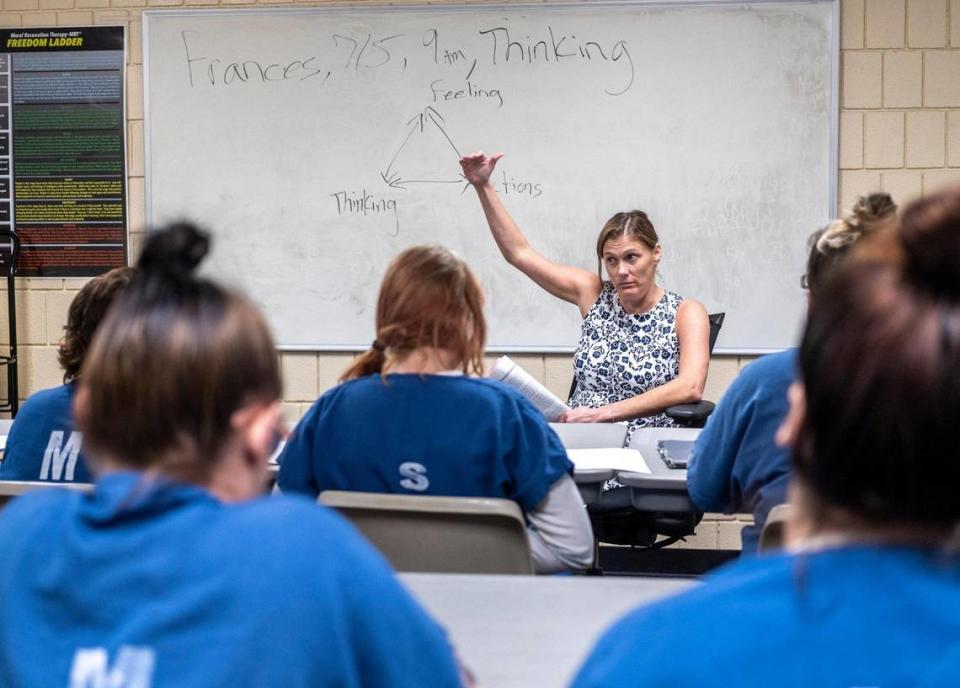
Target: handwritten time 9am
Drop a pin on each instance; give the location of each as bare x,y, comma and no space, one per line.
498,46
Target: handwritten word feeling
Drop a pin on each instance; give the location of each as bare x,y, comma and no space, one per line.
441,92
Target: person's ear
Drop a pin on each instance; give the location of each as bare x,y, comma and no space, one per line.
790,427
657,251
261,429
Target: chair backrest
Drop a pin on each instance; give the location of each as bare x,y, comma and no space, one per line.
10,489
716,322
439,534
772,535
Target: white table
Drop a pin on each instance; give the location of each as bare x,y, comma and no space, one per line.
530,631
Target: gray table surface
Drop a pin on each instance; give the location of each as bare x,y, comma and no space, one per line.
530,631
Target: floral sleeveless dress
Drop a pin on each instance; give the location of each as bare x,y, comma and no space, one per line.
621,355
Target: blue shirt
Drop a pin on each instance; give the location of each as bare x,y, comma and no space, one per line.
42,444
855,616
736,465
163,585
424,434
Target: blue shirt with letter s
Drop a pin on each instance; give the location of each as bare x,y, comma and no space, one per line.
424,434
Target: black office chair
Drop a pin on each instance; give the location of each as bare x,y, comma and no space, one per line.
695,415
616,521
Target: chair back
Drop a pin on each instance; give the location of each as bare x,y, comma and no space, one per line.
716,322
439,534
774,528
11,489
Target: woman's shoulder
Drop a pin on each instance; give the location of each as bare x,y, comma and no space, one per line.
674,301
606,299
53,397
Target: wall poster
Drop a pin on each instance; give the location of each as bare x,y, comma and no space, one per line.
62,149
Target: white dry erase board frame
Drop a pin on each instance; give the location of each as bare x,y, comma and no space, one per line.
317,143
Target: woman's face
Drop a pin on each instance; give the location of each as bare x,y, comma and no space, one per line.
631,266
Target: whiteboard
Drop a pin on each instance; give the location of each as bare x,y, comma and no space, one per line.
318,143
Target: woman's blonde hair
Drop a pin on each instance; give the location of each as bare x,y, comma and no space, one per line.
869,216
428,297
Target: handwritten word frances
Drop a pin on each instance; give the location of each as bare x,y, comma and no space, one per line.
219,72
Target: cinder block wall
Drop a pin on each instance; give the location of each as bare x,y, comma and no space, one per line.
899,131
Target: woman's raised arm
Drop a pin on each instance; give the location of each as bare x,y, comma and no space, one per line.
575,285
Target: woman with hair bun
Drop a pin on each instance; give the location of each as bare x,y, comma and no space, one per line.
868,590
409,418
43,444
736,466
172,572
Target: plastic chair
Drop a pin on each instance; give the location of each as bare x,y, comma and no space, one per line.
439,534
774,528
11,489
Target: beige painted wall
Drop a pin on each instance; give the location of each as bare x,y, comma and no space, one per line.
899,131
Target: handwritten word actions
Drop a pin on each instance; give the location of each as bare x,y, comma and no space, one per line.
353,203
518,187
442,91
507,48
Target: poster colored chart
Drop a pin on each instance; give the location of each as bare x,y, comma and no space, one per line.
62,149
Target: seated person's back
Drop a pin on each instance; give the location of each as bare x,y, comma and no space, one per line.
867,593
174,571
408,419
736,466
43,443
424,434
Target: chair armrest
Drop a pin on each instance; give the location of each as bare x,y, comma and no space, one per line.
694,415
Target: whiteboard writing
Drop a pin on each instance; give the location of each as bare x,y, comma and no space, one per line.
319,143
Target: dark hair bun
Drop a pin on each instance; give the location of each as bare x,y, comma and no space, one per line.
175,250
930,235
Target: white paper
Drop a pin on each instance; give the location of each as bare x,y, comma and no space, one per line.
509,373
615,458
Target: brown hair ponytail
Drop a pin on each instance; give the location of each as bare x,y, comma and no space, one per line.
428,297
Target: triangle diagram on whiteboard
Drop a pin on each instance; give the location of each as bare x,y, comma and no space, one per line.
426,154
